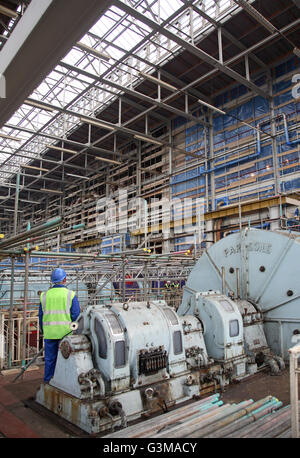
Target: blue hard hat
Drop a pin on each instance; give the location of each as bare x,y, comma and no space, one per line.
58,275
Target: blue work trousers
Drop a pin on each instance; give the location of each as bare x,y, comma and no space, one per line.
51,351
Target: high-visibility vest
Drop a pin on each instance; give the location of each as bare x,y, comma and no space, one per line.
56,306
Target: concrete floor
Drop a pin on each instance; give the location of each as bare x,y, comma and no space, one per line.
19,421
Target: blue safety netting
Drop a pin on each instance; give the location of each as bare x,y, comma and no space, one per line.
227,134
112,244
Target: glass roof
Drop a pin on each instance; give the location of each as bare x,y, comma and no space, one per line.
132,47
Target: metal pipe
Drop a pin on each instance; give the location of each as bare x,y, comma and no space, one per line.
253,428
206,419
274,430
54,254
86,379
235,161
25,235
103,285
197,430
143,430
45,236
77,284
11,324
101,384
286,132
29,364
196,416
8,12
247,420
267,424
234,416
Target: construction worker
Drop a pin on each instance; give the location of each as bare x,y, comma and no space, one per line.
175,285
58,308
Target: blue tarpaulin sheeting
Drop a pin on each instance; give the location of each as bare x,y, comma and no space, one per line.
256,110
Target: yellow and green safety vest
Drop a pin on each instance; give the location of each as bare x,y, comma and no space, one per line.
56,306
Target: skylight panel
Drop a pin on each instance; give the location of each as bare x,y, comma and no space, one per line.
224,4
73,56
82,79
118,35
116,54
105,24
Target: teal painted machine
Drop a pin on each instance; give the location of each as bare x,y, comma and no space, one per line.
259,271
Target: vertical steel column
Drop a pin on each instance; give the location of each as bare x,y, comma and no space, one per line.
25,301
158,88
146,222
170,148
145,288
16,203
77,284
139,184
240,214
168,236
206,168
247,68
186,102
120,112
274,143
25,308
138,169
244,272
158,285
11,323
12,278
191,12
123,280
211,154
220,45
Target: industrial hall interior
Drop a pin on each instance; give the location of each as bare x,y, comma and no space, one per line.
149,220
